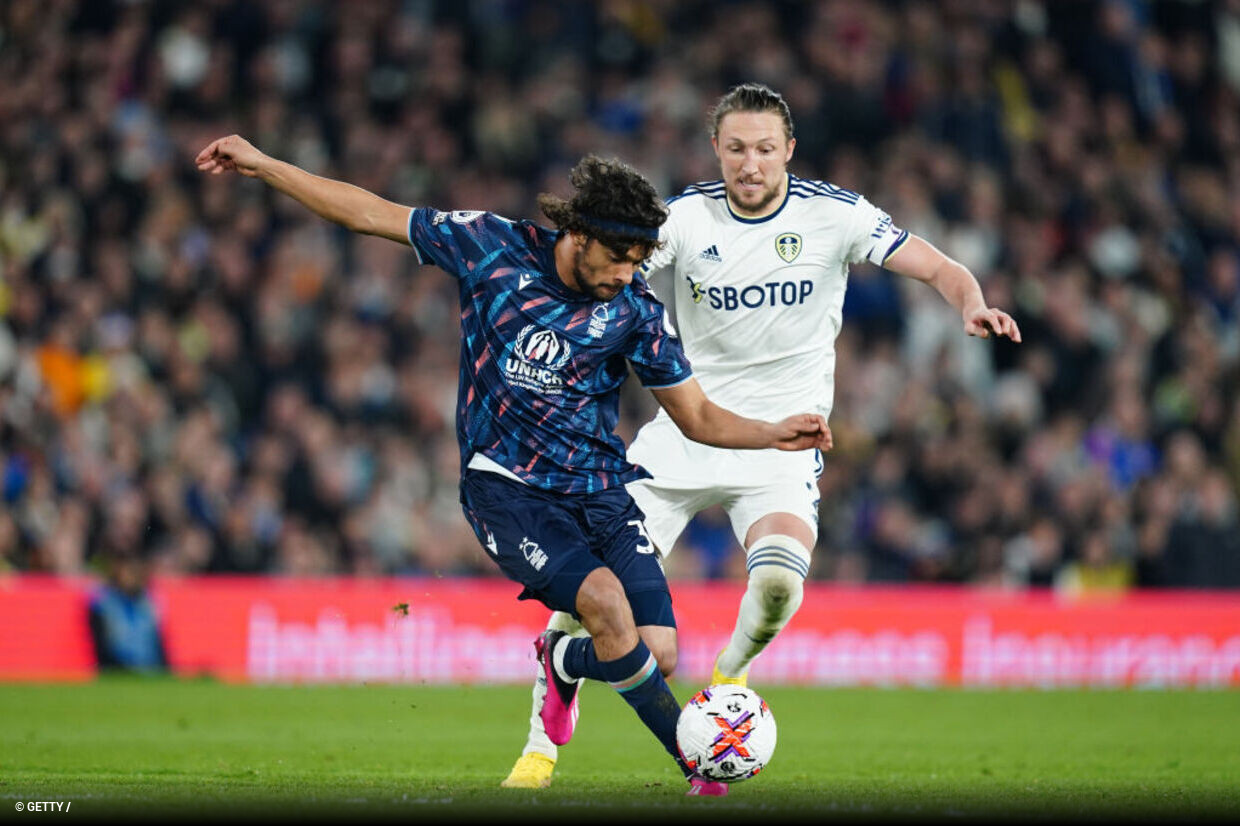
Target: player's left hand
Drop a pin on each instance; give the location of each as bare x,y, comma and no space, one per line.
802,432
986,321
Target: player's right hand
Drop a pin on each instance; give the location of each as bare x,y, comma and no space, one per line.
804,431
231,154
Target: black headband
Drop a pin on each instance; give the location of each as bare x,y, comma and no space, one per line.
620,227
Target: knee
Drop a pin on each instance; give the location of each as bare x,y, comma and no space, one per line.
662,642
778,566
666,656
776,588
601,602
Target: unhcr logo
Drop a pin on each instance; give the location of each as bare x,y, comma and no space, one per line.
543,346
538,356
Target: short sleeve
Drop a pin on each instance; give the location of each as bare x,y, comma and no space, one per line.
665,254
656,354
873,236
460,242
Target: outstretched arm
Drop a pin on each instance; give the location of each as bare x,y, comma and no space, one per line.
919,259
704,421
337,201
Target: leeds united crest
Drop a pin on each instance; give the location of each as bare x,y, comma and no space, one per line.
788,245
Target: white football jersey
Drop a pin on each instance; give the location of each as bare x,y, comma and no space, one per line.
759,302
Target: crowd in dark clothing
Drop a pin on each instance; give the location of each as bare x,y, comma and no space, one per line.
198,372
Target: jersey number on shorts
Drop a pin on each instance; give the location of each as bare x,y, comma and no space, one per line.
646,546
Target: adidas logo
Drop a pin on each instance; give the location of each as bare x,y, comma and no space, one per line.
711,253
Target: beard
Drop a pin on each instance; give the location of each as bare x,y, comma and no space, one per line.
600,292
757,201
583,276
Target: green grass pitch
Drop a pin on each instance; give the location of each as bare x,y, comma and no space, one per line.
131,748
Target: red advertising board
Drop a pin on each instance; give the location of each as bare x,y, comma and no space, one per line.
43,629
461,630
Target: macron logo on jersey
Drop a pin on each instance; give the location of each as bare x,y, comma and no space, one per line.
711,253
523,280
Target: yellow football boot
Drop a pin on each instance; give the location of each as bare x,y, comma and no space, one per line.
717,677
531,771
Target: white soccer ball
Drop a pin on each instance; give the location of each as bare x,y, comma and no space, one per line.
726,733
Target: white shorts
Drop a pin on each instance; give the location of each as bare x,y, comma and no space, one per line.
690,477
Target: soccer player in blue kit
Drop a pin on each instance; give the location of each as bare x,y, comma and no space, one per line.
551,319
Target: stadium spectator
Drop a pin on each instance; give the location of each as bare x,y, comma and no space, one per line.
124,623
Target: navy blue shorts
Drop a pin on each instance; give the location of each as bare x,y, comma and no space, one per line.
550,542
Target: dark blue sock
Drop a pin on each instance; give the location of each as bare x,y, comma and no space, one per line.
580,659
636,677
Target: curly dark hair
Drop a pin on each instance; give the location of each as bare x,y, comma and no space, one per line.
609,196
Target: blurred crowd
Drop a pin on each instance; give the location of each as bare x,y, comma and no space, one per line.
197,372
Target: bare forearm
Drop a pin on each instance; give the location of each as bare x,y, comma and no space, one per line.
918,259
703,421
957,285
345,204
342,203
719,427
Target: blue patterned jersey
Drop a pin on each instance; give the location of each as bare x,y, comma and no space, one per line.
542,365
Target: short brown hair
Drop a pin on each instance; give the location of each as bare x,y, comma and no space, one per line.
751,97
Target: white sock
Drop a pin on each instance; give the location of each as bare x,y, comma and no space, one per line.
557,660
778,565
561,621
537,740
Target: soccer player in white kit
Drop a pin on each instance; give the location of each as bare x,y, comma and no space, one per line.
759,262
